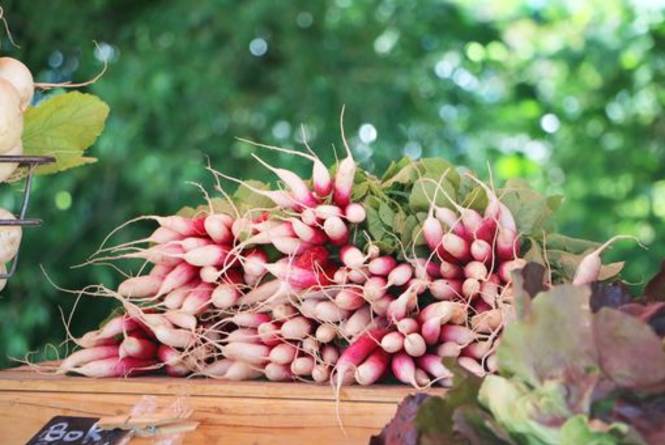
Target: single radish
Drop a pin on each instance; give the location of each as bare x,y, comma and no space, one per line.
358,276
302,366
336,230
382,265
355,213
414,345
293,182
224,296
176,338
239,371
446,289
372,368
83,356
326,333
505,269
269,333
209,274
115,367
400,275
218,228
432,232
198,299
431,363
491,363
20,77
404,368
10,236
277,373
443,311
470,288
7,168
11,117
329,354
476,270
374,288
140,287
489,292
399,307
320,373
481,251
185,226
251,353
272,289
310,346
380,305
472,366
476,350
392,342
351,256
329,312
357,322
209,255
162,235
137,347
588,270
179,276
407,326
181,319
218,368
325,211
296,328
283,311
344,177
458,334
496,210
450,270
308,216
507,244
451,220
289,245
250,319
349,299
321,180
283,353
488,321
243,335
307,233
449,349
454,247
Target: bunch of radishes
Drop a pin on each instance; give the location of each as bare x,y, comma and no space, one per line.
292,293
16,91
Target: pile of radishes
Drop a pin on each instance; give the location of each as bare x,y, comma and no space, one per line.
16,91
287,294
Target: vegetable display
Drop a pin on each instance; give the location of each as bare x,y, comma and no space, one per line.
600,379
344,278
63,131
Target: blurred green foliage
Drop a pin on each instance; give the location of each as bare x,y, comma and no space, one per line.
568,94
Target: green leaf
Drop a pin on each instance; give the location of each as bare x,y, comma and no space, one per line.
578,430
247,199
63,126
558,241
424,191
532,210
386,214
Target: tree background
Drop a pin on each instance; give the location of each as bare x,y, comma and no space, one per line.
567,94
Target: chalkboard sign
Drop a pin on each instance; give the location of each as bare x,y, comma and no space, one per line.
64,430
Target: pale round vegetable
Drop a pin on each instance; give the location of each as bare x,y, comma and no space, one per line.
11,118
7,168
10,238
16,73
3,281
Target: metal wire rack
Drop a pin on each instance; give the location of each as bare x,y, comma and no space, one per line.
31,162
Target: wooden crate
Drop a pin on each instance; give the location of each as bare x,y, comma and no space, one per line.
257,413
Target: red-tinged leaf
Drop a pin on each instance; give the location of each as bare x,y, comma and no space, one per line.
629,352
611,295
655,289
401,429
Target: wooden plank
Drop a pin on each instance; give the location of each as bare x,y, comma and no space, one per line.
224,420
22,380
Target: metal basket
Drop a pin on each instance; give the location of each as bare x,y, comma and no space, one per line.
30,162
